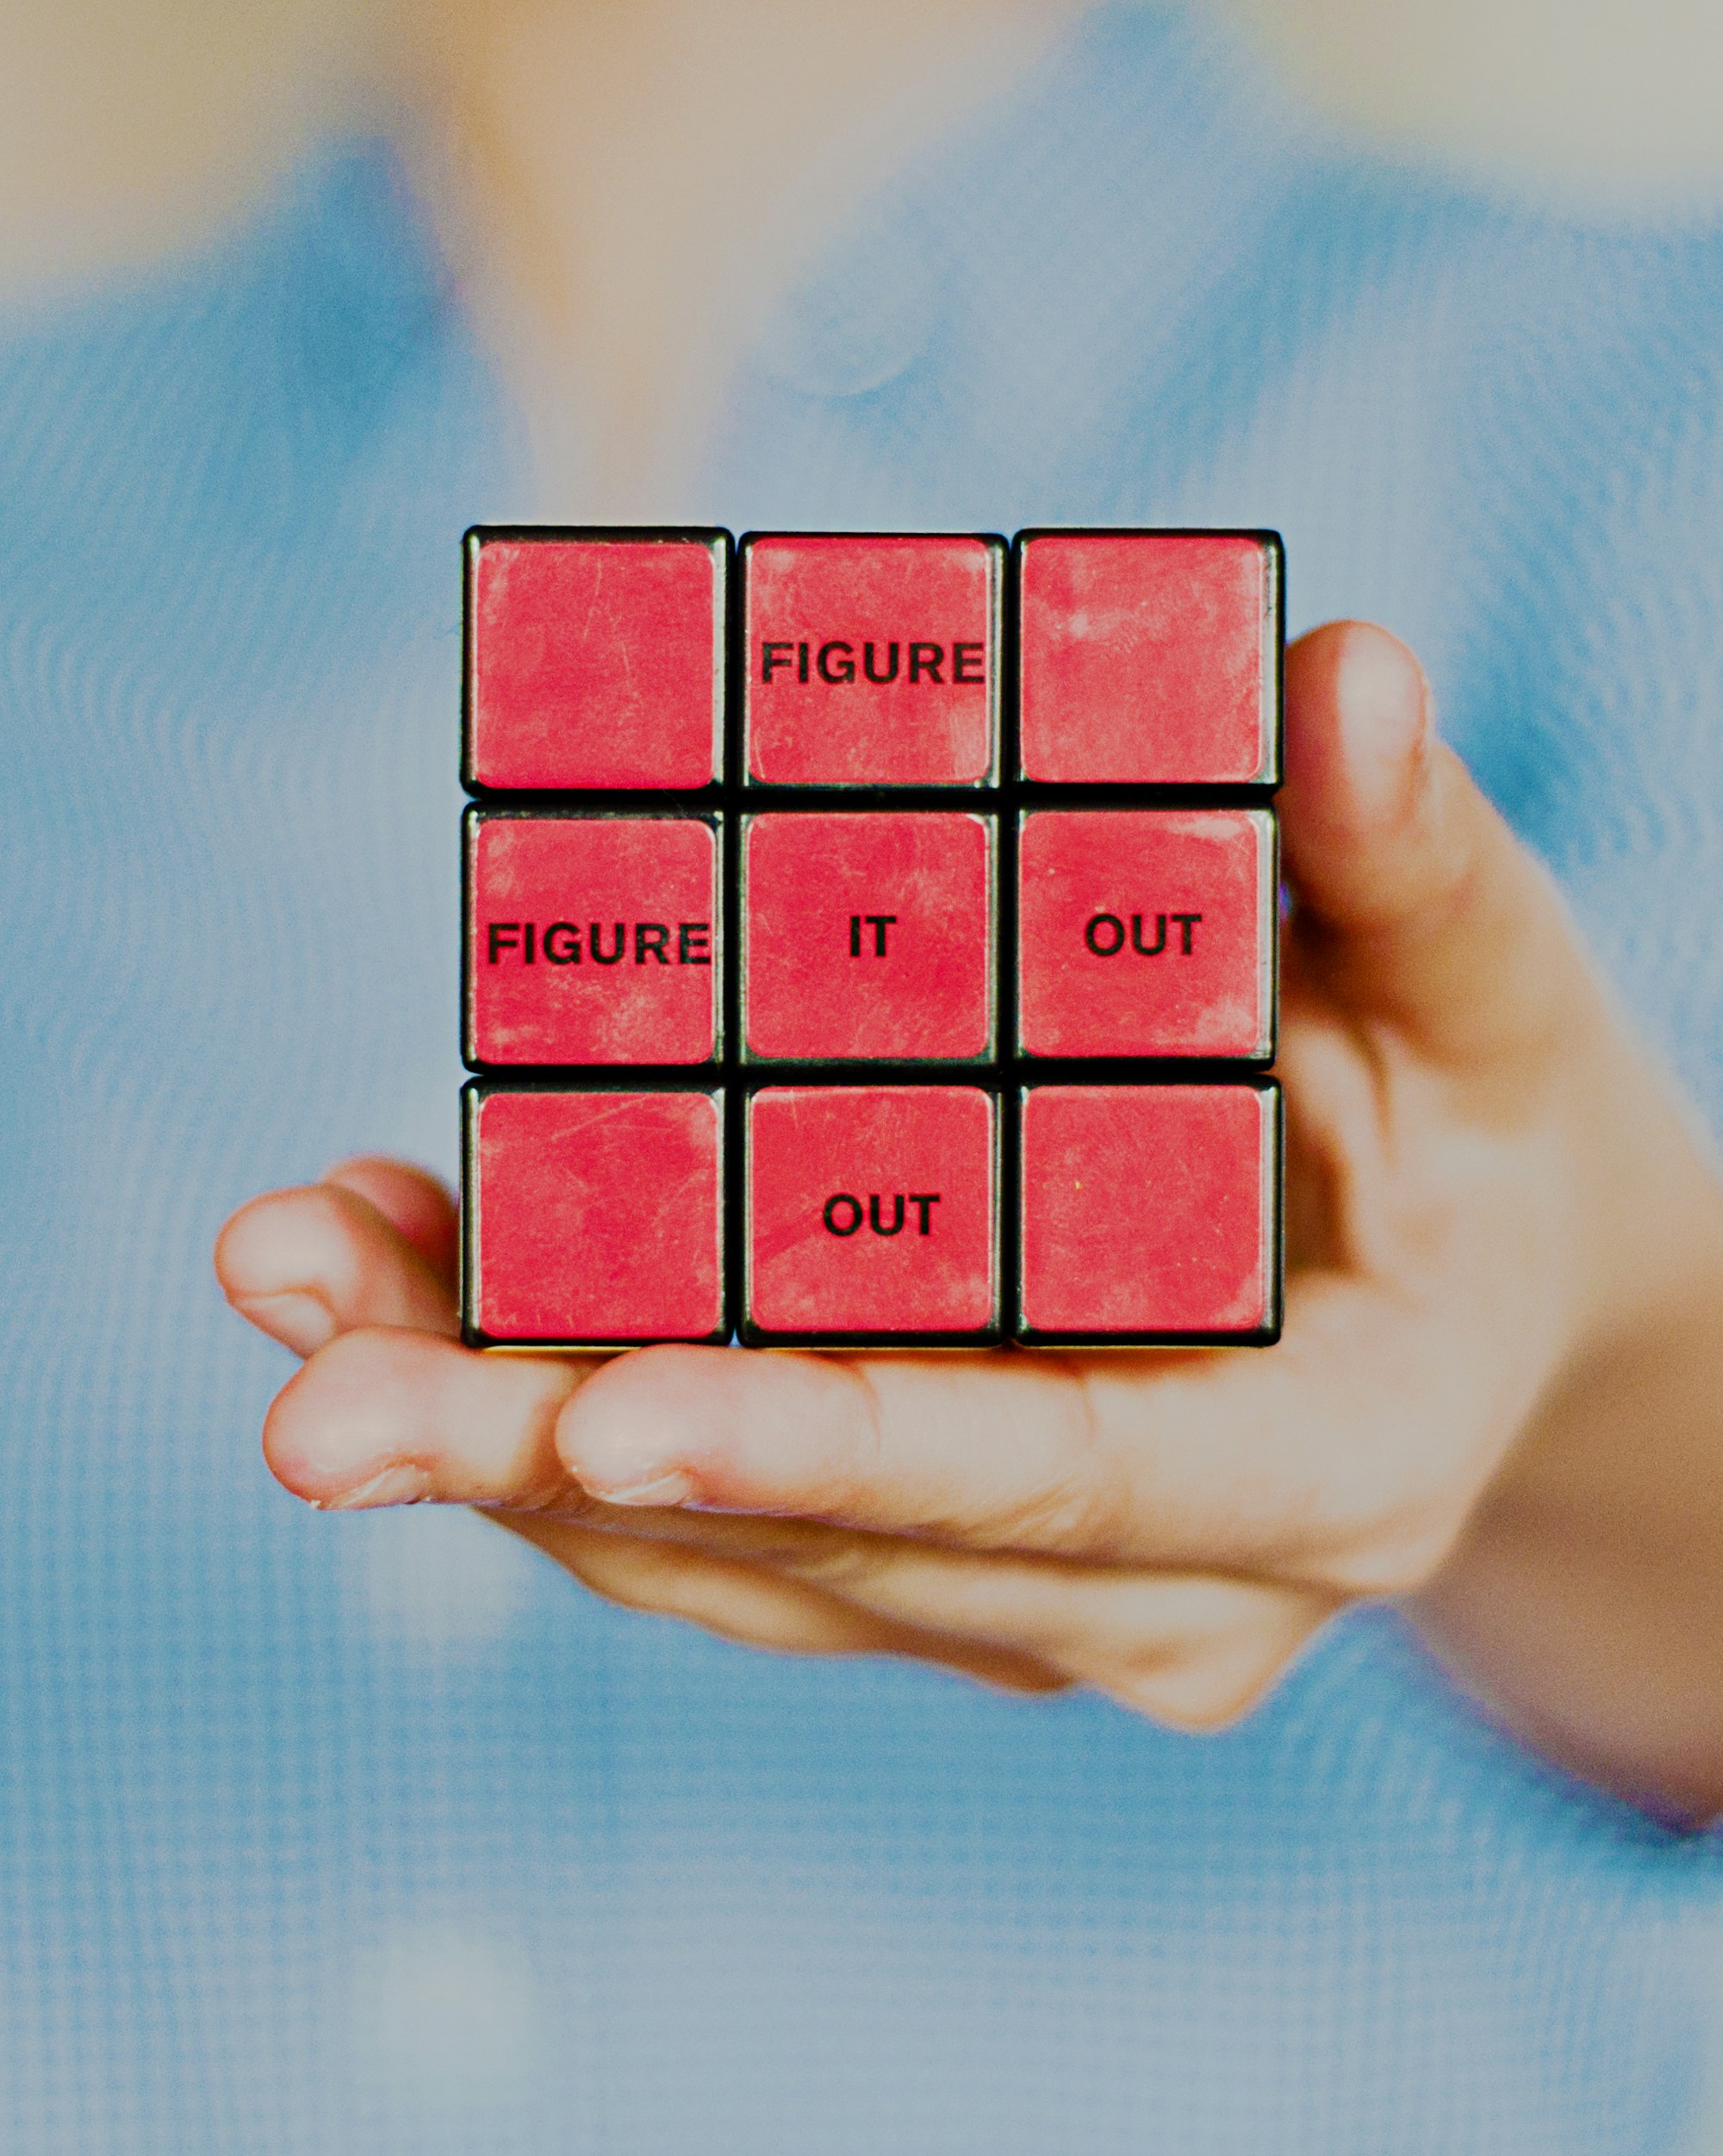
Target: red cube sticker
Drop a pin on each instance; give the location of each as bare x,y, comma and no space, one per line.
871,661
872,1210
1147,932
595,1217
1149,658
595,661
591,939
1150,1212
867,935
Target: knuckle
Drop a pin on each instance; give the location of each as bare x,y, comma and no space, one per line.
1087,1504
840,1563
1080,1512
1396,1552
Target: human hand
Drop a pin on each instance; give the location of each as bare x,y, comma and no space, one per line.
1491,1190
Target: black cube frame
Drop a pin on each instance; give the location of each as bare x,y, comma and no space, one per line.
1006,799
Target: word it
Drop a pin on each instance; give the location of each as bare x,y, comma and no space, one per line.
879,923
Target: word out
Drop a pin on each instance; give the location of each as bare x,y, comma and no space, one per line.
843,1215
1105,933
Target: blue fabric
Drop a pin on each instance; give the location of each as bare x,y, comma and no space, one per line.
374,1834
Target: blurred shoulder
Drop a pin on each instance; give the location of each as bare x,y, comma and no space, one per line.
132,131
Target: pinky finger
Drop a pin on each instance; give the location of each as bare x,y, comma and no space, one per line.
740,1601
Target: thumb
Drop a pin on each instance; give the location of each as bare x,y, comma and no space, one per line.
1413,901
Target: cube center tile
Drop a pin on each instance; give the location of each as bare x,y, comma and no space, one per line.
868,936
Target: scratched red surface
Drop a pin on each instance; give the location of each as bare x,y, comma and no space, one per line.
586,884
865,602
1146,1208
1144,658
867,1153
816,980
1103,963
598,1215
595,662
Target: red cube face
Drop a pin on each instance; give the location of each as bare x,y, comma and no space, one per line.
596,662
1150,1211
871,661
872,1210
1147,932
867,935
591,939
595,1217
1149,658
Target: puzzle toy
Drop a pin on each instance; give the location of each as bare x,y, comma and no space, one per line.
870,939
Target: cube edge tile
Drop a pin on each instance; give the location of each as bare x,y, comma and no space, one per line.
498,807
998,546
474,1095
995,1334
1260,813
719,542
1274,1229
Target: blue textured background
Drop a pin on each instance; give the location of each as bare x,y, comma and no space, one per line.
374,1834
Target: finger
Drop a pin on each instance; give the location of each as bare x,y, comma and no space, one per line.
393,1417
1414,900
418,1205
1334,1460
304,1266
1190,1648
743,1601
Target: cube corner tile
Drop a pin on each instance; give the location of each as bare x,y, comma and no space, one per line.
870,659
1150,1215
871,1216
592,938
593,1215
562,624
1149,657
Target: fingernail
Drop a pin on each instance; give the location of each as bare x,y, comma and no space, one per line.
401,1485
1385,713
673,1488
298,1321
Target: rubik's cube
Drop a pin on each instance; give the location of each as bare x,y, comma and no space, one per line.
870,938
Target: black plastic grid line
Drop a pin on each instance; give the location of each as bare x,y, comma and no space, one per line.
1006,1074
